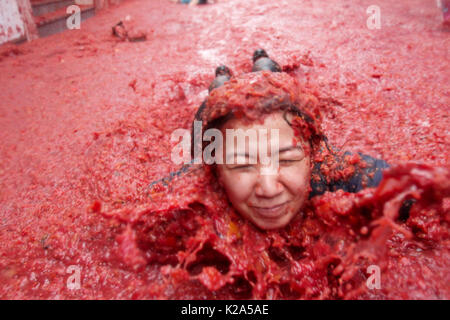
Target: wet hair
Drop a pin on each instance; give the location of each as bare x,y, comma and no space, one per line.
261,93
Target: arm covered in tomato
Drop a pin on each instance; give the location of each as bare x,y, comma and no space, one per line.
349,176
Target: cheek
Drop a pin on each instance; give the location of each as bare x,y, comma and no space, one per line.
238,186
297,178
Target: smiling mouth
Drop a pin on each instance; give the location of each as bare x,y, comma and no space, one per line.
273,212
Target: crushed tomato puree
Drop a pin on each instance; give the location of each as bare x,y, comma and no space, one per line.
86,122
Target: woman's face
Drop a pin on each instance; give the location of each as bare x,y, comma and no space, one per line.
268,194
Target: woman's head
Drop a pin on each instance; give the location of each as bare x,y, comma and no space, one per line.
267,176
268,194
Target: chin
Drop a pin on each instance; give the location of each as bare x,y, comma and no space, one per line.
272,227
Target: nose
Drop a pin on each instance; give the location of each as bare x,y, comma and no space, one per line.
268,186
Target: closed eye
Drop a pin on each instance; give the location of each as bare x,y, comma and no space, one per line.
241,167
289,161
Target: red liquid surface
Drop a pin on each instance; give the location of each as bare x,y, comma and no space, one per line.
86,123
